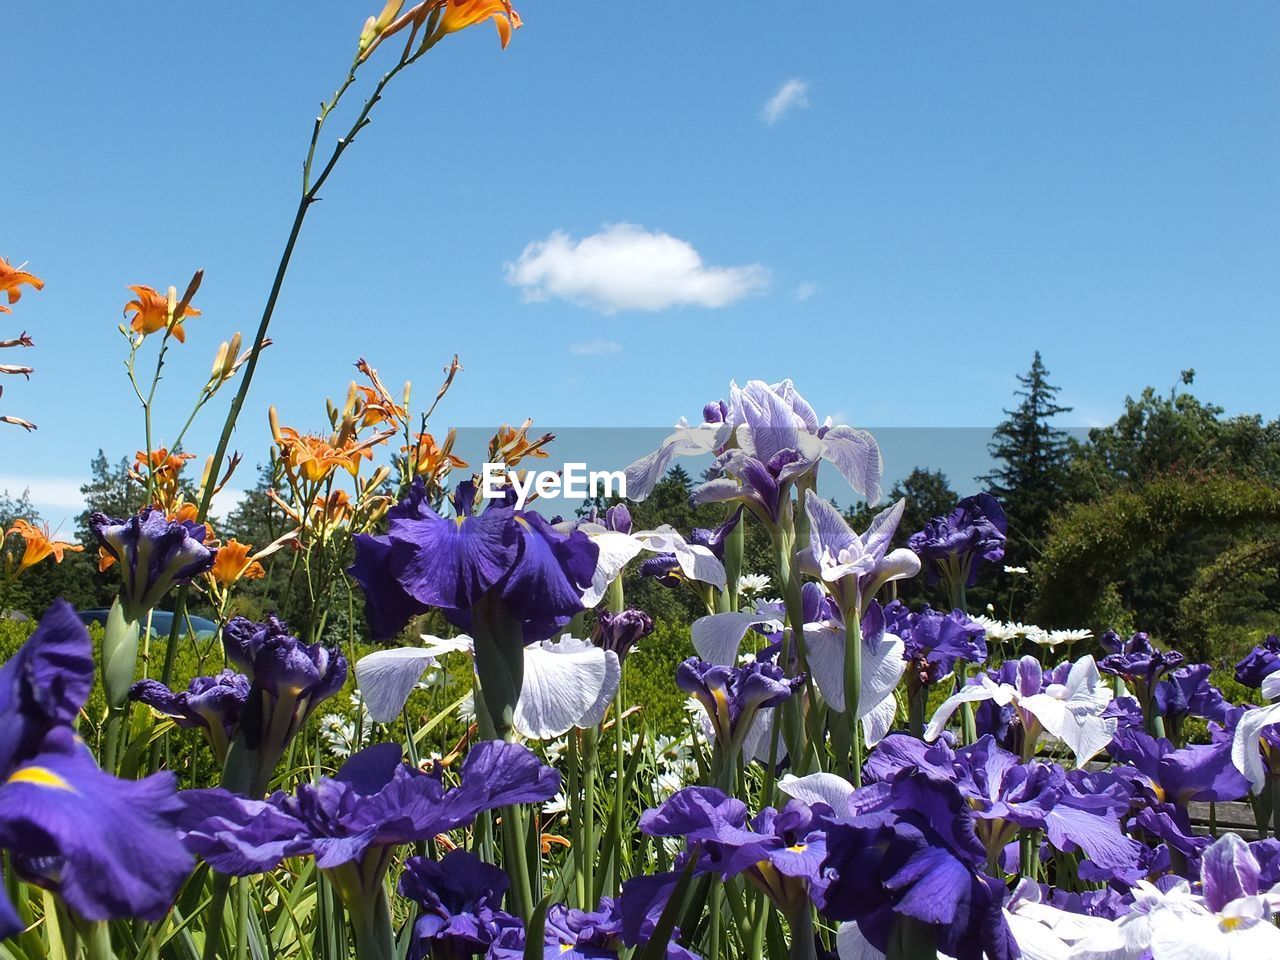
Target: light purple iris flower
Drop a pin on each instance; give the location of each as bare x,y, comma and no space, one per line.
765,437
854,567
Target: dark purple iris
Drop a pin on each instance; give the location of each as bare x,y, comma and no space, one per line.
1262,661
954,547
572,934
289,679
779,851
732,695
621,631
1138,661
1199,773
460,903
154,553
502,555
107,846
213,704
1187,692
911,850
353,823
933,641
1005,795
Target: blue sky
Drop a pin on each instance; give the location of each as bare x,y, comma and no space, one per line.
939,190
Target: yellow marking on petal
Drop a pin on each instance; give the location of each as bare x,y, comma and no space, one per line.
798,848
1228,924
566,947
41,777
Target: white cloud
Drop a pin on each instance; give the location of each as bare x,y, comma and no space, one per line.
804,291
792,95
590,348
60,493
625,267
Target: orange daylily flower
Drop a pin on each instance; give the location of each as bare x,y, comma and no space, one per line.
377,409
39,544
233,563
429,459
457,15
547,839
151,313
165,469
460,14
314,457
11,280
511,444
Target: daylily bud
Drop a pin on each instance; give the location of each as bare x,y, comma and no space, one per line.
275,427
389,12
225,363
367,33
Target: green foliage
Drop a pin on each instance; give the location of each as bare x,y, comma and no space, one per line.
649,676
1093,548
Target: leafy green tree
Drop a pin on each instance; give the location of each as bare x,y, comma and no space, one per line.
110,490
1033,457
1174,433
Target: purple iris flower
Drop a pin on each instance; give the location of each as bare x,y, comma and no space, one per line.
665,567
460,903
107,846
44,684
854,566
775,446
1199,773
934,640
352,823
213,704
616,518
572,934
374,803
732,695
766,437
1006,794
154,553
1260,662
289,679
1187,692
621,631
954,547
910,849
779,851
1139,662
512,557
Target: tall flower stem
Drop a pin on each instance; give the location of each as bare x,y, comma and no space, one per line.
803,945
853,691
310,193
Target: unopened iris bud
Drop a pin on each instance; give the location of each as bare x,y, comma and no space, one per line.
620,631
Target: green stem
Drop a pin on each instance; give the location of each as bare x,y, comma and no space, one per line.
213,919
589,742
853,690
803,944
